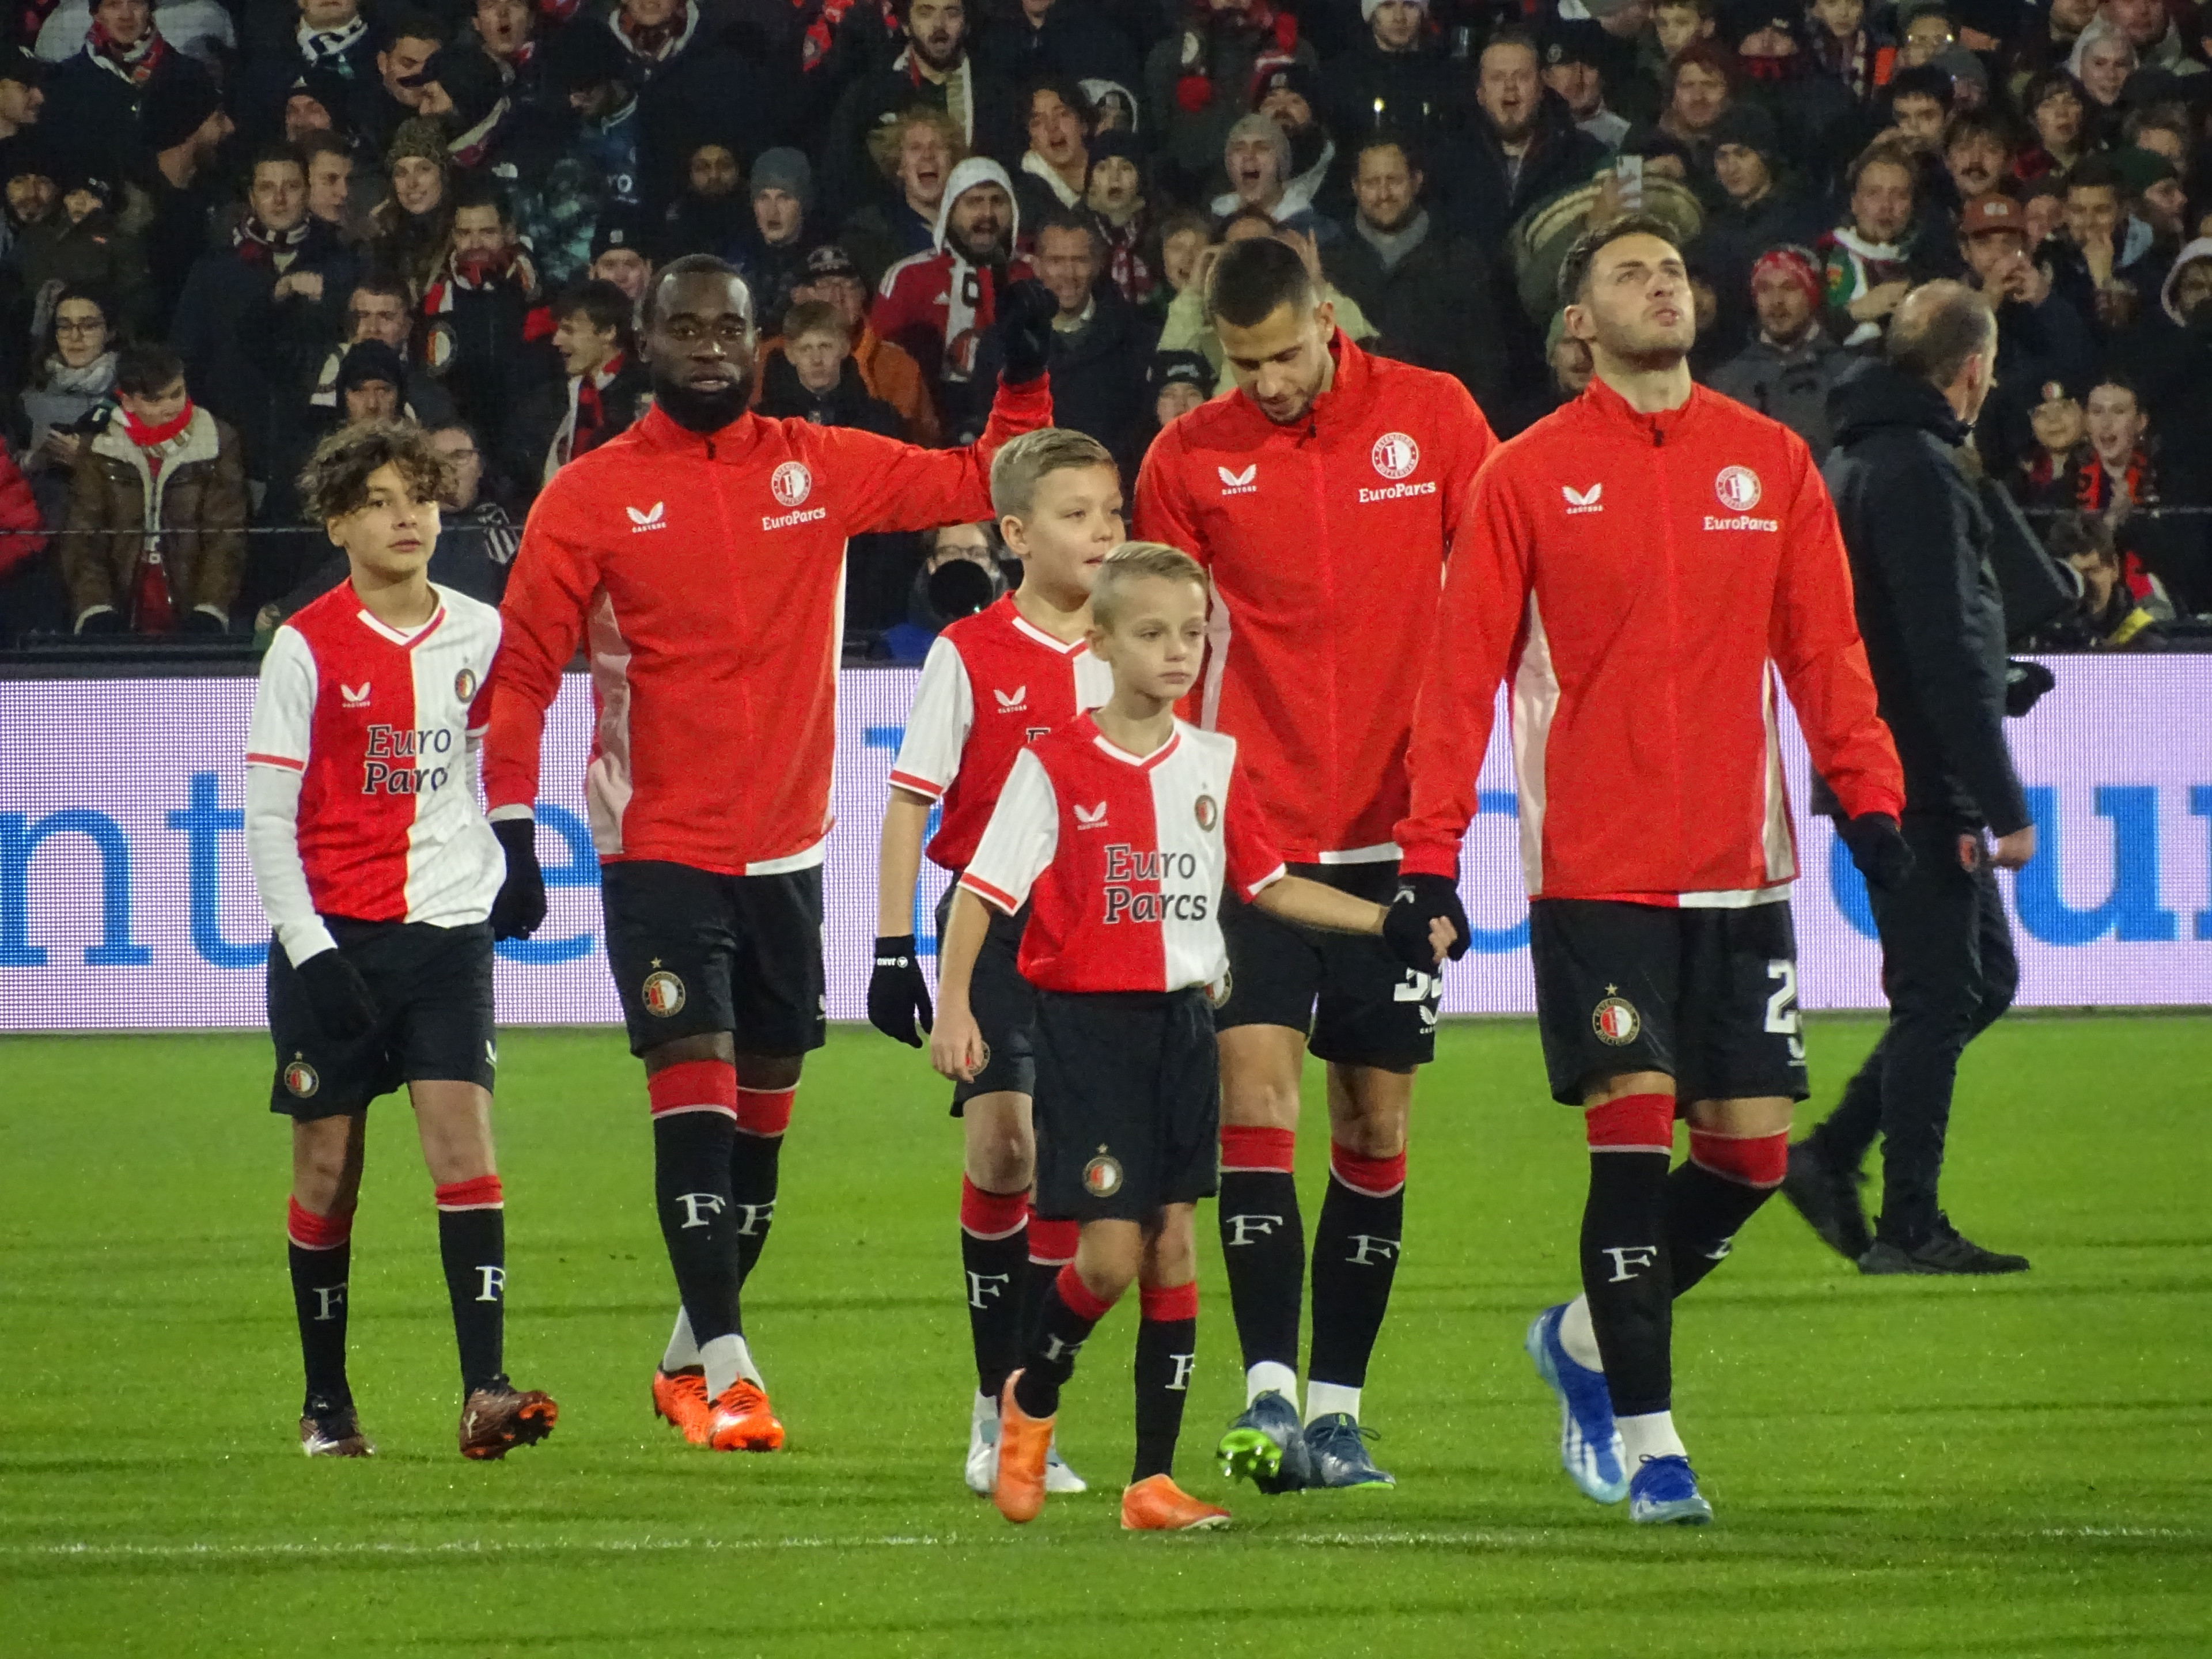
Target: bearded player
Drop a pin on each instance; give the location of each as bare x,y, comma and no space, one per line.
699,560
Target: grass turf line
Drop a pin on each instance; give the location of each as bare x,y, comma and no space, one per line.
2006,1468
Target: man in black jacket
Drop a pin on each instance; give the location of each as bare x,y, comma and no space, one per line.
1521,147
1929,607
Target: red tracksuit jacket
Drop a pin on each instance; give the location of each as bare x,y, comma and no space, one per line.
1327,542
708,572
1639,576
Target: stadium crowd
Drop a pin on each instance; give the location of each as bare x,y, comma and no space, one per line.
233,226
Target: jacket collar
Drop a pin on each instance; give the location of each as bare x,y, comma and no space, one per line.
1344,400
1601,403
728,444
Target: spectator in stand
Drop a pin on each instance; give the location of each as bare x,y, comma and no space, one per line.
1676,26
814,377
1185,235
690,83
98,96
410,41
1572,69
476,541
380,308
1919,100
1631,59
1868,263
709,214
1430,294
1978,155
2114,613
2103,59
2168,355
1791,365
330,198
1397,78
2154,35
598,163
958,575
1521,145
2165,129
889,373
414,221
1759,207
481,313
22,90
507,30
2157,219
604,390
1257,159
1179,381
30,596
312,100
2095,243
622,252
1199,77
915,152
371,375
1843,49
2046,41
155,541
183,125
2041,336
1925,31
933,67
1700,88
1116,199
79,244
1102,345
1055,168
1290,95
71,394
936,306
1114,105
1074,38
2117,473
2060,441
2058,112
255,316
774,257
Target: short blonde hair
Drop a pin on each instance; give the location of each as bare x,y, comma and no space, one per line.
886,141
1022,463
1132,563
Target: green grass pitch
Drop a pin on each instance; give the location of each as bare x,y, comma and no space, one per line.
1945,1468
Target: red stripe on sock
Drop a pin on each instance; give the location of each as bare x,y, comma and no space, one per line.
1375,1177
1077,1295
1252,1146
991,1215
479,1193
695,1085
1052,1242
764,1111
310,1232
1165,1303
1634,1123
1753,1160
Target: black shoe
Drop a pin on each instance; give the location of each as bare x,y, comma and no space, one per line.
1944,1250
1828,1199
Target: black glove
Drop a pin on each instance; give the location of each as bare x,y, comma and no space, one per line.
1025,315
898,996
105,621
2025,684
1879,849
520,910
1426,897
205,622
1406,931
339,996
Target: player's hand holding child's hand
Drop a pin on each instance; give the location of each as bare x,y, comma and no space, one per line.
956,1047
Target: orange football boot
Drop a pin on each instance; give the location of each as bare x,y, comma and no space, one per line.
497,1419
1023,1441
742,1421
1155,1504
680,1398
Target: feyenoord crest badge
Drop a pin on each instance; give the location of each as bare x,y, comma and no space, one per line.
662,993
464,685
791,482
1737,488
1209,813
982,1056
300,1079
1218,993
1102,1176
1616,1021
1395,455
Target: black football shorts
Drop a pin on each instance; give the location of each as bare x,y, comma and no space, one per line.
1128,1103
1359,1004
1004,1004
432,989
694,953
1707,996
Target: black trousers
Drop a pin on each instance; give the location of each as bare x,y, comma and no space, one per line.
1948,970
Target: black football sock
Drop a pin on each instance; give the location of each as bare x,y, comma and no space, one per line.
1167,1348
691,1192
320,1249
1051,1247
756,1159
1263,1244
1710,1196
472,1244
1355,1257
1064,1325
994,1253
1625,1274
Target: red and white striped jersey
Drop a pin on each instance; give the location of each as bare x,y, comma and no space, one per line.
992,684
1123,857
375,725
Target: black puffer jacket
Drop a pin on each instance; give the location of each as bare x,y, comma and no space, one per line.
1928,605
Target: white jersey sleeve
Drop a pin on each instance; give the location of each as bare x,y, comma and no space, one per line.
276,751
1019,843
937,727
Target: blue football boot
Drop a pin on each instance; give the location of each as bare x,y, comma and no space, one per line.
1336,1447
1589,1445
1664,1493
1264,1446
